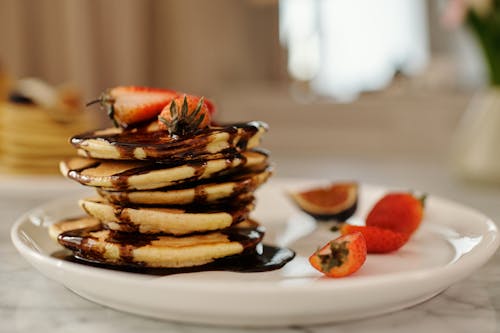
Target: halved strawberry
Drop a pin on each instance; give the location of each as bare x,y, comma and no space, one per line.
399,212
341,256
127,105
185,115
378,240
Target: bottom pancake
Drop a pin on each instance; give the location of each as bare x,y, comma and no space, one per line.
104,246
58,228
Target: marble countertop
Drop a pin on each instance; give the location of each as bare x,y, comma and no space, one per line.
30,302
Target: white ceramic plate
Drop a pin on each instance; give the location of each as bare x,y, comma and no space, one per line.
452,243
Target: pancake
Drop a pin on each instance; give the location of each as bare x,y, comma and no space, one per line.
142,175
35,151
58,228
30,162
42,139
28,165
34,141
211,192
149,143
26,170
175,221
28,118
117,248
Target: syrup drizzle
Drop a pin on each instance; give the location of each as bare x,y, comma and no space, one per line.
120,179
165,151
263,258
256,257
158,146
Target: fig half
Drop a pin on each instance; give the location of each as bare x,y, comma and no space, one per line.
337,201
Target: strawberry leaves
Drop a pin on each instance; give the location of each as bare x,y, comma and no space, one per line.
192,117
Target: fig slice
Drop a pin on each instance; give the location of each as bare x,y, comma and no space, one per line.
337,201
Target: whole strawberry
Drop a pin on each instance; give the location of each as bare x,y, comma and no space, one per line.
128,105
399,212
378,240
341,256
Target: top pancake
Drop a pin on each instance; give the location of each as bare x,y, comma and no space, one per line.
149,143
142,175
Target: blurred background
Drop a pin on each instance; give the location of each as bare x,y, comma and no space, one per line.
356,78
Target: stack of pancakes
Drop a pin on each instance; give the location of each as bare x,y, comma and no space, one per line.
166,201
31,141
35,123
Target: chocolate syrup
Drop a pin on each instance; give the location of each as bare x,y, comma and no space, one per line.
158,146
78,239
263,258
19,98
243,179
120,180
163,151
255,257
238,209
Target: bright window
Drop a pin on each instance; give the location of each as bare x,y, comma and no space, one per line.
344,47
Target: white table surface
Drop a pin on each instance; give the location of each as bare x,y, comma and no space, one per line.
29,302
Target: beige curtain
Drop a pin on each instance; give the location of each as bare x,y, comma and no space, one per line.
198,46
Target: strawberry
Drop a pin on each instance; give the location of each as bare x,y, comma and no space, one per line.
211,107
127,105
378,240
185,115
399,212
340,257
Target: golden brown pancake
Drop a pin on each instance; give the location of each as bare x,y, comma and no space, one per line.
32,141
204,193
58,228
175,221
149,143
141,175
117,248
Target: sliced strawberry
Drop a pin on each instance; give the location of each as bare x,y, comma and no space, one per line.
127,105
378,240
340,257
185,115
399,212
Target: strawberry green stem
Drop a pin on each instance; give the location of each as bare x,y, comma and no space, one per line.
107,103
422,199
98,100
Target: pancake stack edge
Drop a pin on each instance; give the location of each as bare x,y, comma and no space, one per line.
166,201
